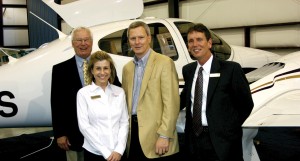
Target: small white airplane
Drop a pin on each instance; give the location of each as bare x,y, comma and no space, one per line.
26,81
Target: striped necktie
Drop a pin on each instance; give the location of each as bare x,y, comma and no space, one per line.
85,72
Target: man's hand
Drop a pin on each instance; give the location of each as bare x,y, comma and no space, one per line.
63,143
162,146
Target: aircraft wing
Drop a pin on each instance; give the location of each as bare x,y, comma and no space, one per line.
277,96
95,12
283,111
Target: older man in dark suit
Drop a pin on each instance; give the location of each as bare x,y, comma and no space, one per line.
217,106
67,79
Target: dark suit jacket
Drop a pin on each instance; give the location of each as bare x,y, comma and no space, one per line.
65,85
229,103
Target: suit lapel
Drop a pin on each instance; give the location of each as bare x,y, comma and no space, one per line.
213,81
72,68
191,75
129,79
147,73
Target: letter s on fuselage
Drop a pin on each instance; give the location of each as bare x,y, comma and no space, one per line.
7,105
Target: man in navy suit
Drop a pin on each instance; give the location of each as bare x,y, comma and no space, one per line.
226,102
67,79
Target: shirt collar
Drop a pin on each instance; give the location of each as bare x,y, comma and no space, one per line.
94,87
80,60
206,67
109,89
143,60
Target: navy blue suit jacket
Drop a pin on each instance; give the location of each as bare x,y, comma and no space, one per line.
65,85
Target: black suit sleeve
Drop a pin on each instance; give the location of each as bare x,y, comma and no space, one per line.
240,85
184,91
56,95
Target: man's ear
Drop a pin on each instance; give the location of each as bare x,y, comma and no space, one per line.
210,43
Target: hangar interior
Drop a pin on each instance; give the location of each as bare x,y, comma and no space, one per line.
263,24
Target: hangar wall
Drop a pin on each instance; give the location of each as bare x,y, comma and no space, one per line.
274,24
13,24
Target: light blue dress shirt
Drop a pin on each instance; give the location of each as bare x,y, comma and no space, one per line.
140,65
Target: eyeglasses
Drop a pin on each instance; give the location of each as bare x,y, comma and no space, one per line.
82,40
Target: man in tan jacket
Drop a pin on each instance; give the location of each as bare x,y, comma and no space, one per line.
150,82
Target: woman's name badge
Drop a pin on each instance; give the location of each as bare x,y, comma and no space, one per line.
95,97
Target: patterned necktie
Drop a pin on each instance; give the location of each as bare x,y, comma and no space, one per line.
85,72
197,122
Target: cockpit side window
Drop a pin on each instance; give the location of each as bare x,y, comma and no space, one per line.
219,47
162,42
112,43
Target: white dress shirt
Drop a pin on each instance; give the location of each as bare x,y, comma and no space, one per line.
103,119
206,72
